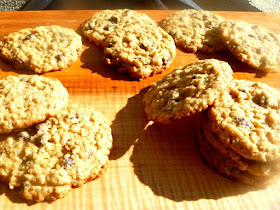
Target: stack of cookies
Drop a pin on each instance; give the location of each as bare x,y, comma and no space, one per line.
131,41
194,31
238,134
48,147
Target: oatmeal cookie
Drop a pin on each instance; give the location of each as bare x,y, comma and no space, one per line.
252,44
195,30
29,99
104,23
48,159
186,90
141,51
42,49
247,119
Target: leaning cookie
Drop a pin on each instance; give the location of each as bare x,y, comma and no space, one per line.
195,30
42,49
252,44
48,159
29,99
246,118
104,23
139,50
186,90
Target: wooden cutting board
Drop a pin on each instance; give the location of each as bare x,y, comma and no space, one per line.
155,167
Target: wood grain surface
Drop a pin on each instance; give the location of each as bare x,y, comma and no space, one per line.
154,167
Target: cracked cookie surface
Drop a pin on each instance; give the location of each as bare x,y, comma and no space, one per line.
48,159
252,44
195,30
42,49
186,90
29,99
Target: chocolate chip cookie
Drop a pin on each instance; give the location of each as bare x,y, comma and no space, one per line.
48,159
186,90
195,30
42,49
252,44
29,99
102,24
141,51
247,118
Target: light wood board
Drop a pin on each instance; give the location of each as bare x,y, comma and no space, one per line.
153,168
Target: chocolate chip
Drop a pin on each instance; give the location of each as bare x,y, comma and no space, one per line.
109,27
127,11
195,15
114,19
110,45
255,27
194,77
40,141
25,79
90,153
40,126
24,185
68,161
233,46
252,36
29,37
263,62
23,135
243,122
172,33
144,47
206,17
260,100
19,63
61,34
59,57
165,61
209,24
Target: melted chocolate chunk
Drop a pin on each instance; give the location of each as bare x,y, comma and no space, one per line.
59,57
109,27
114,19
40,141
29,37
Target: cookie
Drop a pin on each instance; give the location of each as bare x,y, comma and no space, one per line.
48,159
29,99
221,165
195,30
42,49
141,51
186,90
255,168
104,23
246,118
252,44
